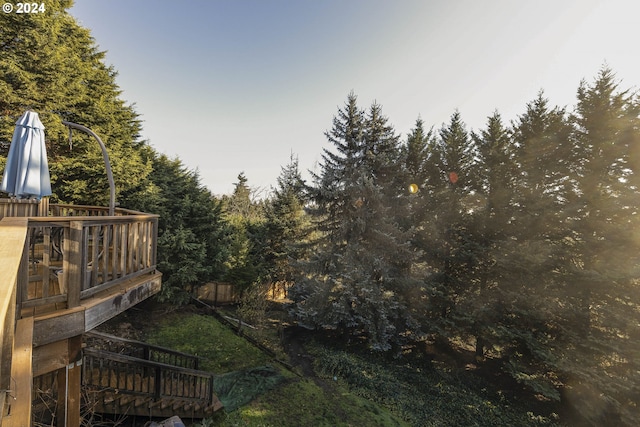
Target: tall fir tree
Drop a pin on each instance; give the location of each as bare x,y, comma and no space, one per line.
415,153
445,235
602,278
530,251
286,226
357,281
240,203
607,124
422,181
496,175
247,238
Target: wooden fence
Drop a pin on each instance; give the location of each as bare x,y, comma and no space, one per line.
218,293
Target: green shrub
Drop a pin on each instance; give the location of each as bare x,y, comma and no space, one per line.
421,395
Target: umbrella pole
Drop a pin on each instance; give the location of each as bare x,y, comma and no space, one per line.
105,156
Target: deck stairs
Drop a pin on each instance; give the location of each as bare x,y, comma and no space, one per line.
135,378
128,377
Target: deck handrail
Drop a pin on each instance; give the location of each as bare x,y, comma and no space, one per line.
59,209
160,380
141,350
72,258
12,207
13,232
77,251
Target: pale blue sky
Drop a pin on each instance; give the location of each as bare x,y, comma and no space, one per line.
237,85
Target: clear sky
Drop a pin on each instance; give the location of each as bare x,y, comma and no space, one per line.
238,85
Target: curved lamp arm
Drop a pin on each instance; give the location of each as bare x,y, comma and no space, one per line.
105,156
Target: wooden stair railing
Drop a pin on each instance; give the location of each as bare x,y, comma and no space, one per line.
147,387
140,350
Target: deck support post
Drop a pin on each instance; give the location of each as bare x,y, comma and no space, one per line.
70,385
22,373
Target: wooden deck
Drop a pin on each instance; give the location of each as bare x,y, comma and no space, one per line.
63,271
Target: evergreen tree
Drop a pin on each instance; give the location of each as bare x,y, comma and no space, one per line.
543,140
601,284
247,242
445,235
240,201
531,249
52,65
286,226
242,269
191,228
422,180
416,152
357,281
607,130
496,175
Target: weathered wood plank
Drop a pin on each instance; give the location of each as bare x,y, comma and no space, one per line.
22,281
46,253
89,293
74,381
13,234
123,249
115,245
101,309
145,243
131,246
74,263
50,357
154,246
69,385
22,374
19,207
107,251
58,325
95,253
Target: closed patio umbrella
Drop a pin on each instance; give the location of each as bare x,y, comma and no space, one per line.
26,174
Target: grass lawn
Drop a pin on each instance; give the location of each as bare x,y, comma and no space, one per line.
297,402
301,402
204,336
333,385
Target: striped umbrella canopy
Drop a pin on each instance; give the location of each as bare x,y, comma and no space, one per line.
26,174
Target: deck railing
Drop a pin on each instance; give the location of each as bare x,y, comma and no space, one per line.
12,207
140,350
73,252
129,375
82,251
